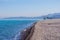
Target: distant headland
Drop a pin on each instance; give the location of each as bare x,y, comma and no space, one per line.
49,16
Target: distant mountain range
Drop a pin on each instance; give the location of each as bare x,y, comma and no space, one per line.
24,17
49,16
53,16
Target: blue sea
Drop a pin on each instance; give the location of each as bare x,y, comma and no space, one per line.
10,29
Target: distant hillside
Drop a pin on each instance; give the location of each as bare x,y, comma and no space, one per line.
24,18
49,16
53,16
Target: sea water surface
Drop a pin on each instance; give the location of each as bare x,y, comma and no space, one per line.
10,29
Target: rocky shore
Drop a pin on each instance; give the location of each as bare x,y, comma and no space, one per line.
47,30
43,30
28,32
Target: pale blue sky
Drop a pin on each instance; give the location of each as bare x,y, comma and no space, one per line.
16,8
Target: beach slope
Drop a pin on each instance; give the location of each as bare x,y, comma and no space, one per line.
46,30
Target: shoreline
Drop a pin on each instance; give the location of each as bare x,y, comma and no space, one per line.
43,30
28,32
47,30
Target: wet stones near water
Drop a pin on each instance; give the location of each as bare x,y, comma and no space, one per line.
27,33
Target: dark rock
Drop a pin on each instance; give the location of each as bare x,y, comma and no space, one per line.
26,33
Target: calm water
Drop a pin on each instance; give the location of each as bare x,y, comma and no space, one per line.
9,29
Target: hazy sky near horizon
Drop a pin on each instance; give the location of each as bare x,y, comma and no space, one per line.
16,8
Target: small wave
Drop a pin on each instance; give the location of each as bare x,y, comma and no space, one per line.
17,37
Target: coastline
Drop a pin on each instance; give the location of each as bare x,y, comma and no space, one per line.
47,30
43,30
28,32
